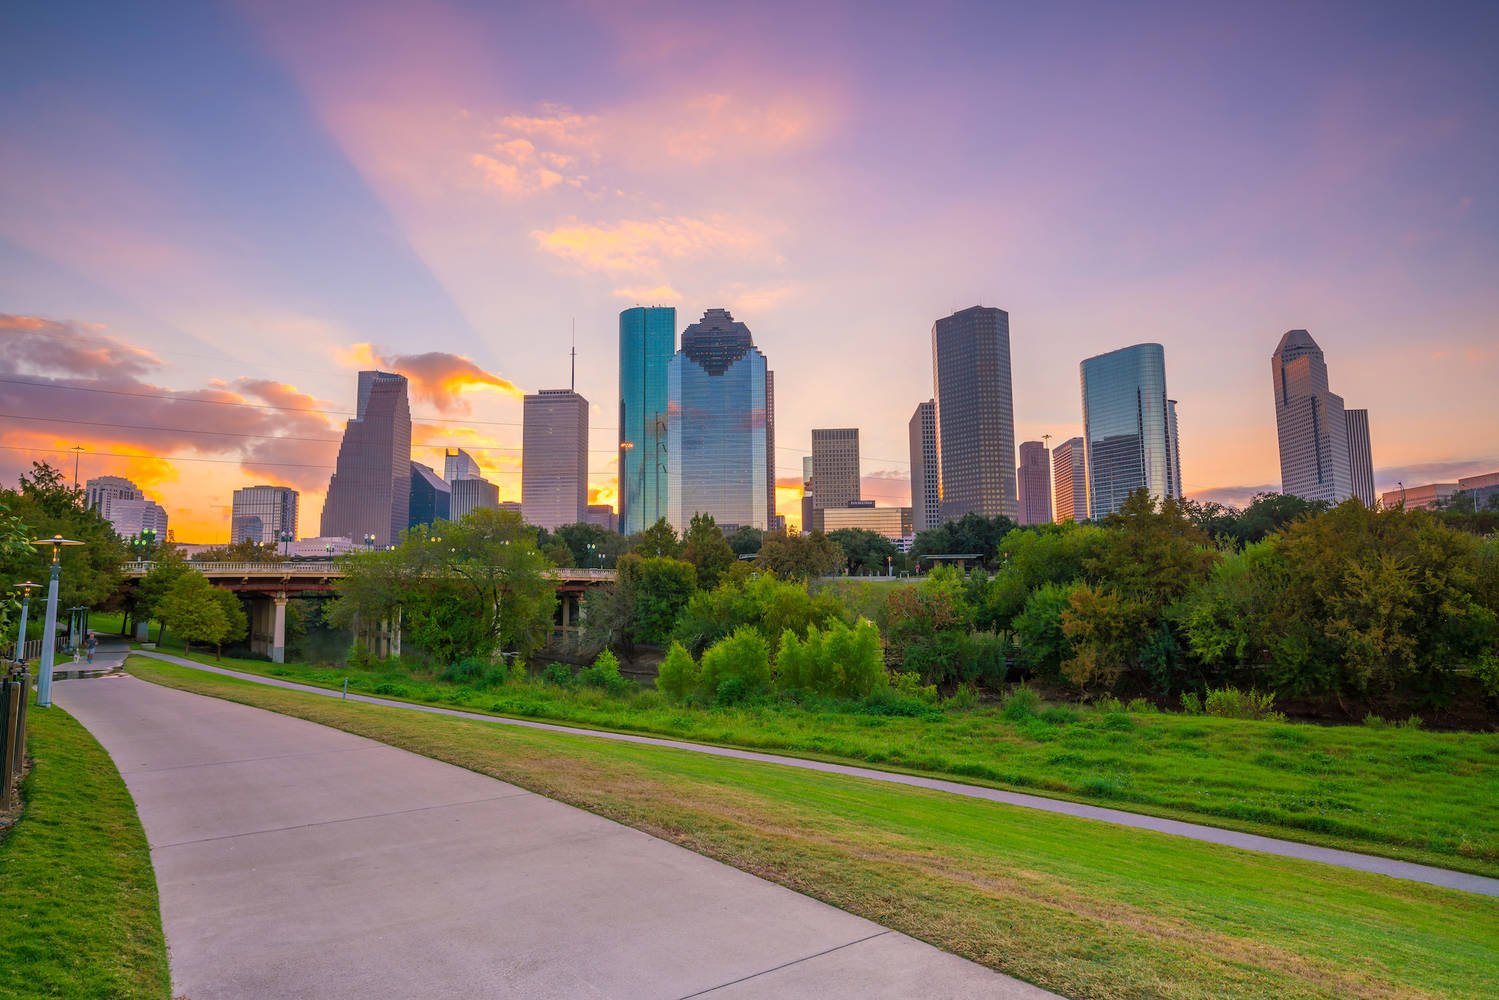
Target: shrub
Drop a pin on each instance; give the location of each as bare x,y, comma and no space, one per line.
1375,722
840,662
517,673
731,691
743,657
1191,703
1413,722
907,684
559,674
1231,703
1021,703
604,673
1141,706
679,675
966,696
472,671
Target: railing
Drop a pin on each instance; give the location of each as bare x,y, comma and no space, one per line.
31,651
323,569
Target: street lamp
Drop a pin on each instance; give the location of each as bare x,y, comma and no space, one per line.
25,589
369,540
286,543
49,631
75,626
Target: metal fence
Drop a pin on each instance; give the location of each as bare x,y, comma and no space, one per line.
13,691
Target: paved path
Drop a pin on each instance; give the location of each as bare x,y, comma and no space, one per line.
1194,831
296,860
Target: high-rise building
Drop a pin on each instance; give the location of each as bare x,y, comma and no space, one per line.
1069,471
263,514
133,518
99,491
835,466
431,496
1127,427
1033,481
647,340
772,518
1176,448
472,494
1310,423
809,496
458,464
975,413
554,458
600,515
1360,457
718,457
926,498
892,522
370,491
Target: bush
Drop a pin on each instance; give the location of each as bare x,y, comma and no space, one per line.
1191,703
1375,722
966,696
1021,703
841,662
679,675
743,657
1141,706
1231,703
604,673
907,684
559,674
472,671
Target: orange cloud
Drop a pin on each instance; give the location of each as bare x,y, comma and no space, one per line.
647,293
640,245
436,377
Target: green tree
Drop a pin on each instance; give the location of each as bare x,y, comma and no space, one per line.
48,505
245,550
679,674
971,534
1105,631
840,662
660,588
15,551
1042,644
761,601
144,601
191,609
800,557
706,548
864,551
659,540
236,622
746,541
737,668
591,547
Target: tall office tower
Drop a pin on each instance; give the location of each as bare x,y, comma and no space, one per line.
554,458
473,493
1070,475
132,518
600,515
431,497
809,496
1127,427
926,511
835,466
370,491
459,464
1310,422
647,339
1360,456
717,449
975,413
770,453
1176,448
263,514
99,491
1033,480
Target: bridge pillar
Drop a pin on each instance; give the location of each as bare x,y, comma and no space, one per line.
278,629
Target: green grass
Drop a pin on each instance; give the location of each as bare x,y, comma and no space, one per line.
78,900
1087,909
1402,793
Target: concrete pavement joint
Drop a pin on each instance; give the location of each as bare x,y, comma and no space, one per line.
252,760
786,965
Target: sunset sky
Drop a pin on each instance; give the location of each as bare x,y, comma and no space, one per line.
212,215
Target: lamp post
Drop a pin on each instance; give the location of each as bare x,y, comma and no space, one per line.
286,544
369,541
49,630
25,589
75,626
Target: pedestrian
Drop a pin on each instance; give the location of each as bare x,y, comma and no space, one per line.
93,644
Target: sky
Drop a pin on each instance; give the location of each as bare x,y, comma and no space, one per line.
213,214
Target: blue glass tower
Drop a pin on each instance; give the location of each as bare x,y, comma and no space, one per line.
718,420
647,338
1129,428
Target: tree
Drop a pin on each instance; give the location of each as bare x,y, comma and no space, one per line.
236,623
762,601
660,588
971,534
705,547
660,539
864,551
591,547
47,504
246,550
679,674
145,600
736,668
191,609
746,541
15,550
840,662
1271,512
800,557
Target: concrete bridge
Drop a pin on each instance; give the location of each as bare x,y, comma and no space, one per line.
269,585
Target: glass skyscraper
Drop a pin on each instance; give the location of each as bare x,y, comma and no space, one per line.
1310,423
262,514
717,449
647,339
975,410
1127,428
370,491
431,496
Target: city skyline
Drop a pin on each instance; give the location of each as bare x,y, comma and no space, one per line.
1194,202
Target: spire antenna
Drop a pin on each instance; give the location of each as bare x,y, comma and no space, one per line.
574,381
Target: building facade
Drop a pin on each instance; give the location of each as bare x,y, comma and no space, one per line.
975,413
471,494
263,514
431,496
99,491
1127,425
1070,479
894,523
835,466
1309,422
554,458
601,515
719,460
1360,457
1482,491
370,490
1033,482
1176,448
458,464
133,518
647,341
926,498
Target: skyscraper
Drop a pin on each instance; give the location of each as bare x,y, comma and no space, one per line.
263,514
975,413
1360,457
809,494
1069,470
99,491
370,491
925,497
132,518
835,466
1033,480
647,339
554,458
718,458
459,464
471,494
431,496
1127,427
1176,448
1310,422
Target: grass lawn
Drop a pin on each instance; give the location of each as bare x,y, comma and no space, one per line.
1402,793
1087,909
77,892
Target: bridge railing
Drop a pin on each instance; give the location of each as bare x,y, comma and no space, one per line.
322,568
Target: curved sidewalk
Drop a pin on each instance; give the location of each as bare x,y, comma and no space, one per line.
297,860
1408,870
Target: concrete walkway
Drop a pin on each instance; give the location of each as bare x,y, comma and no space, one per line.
295,860
1194,831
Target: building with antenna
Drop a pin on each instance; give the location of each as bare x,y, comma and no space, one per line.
554,456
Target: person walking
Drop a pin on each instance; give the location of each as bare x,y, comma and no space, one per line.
93,644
